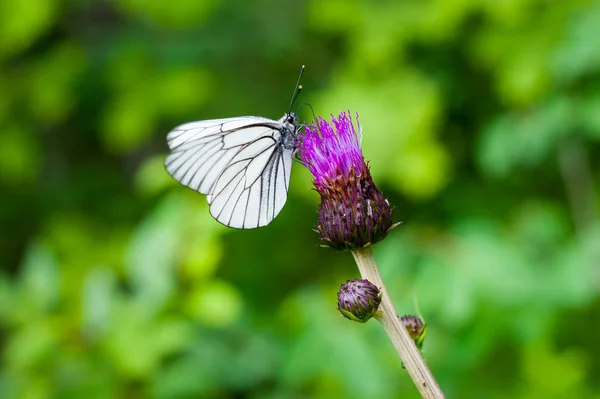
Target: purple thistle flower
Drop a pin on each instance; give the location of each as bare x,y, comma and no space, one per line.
353,213
358,300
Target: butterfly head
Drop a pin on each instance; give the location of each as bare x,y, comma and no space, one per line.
289,122
291,118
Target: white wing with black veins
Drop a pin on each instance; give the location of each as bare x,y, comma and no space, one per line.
239,163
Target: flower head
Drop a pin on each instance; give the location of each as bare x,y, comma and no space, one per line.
358,300
353,212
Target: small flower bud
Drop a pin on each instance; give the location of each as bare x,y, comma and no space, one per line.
416,329
358,300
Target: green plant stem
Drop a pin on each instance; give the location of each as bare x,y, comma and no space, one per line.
408,352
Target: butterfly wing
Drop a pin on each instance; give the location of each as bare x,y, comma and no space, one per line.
200,151
252,190
240,163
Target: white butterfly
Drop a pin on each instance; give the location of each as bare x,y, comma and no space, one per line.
242,164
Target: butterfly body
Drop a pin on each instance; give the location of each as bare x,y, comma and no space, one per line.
242,164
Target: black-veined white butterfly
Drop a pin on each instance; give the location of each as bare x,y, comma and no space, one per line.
242,164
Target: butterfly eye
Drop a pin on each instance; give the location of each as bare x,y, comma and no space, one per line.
291,118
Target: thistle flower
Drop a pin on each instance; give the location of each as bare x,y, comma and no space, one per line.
416,329
358,300
353,213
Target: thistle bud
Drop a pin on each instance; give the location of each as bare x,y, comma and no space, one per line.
416,329
353,213
358,300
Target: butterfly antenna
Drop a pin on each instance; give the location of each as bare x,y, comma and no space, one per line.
297,89
311,109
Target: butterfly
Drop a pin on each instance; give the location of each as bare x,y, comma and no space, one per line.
242,164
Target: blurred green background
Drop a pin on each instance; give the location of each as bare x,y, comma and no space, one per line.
481,120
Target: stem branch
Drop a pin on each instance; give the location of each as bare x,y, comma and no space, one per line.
408,352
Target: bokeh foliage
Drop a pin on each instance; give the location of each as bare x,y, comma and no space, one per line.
481,120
